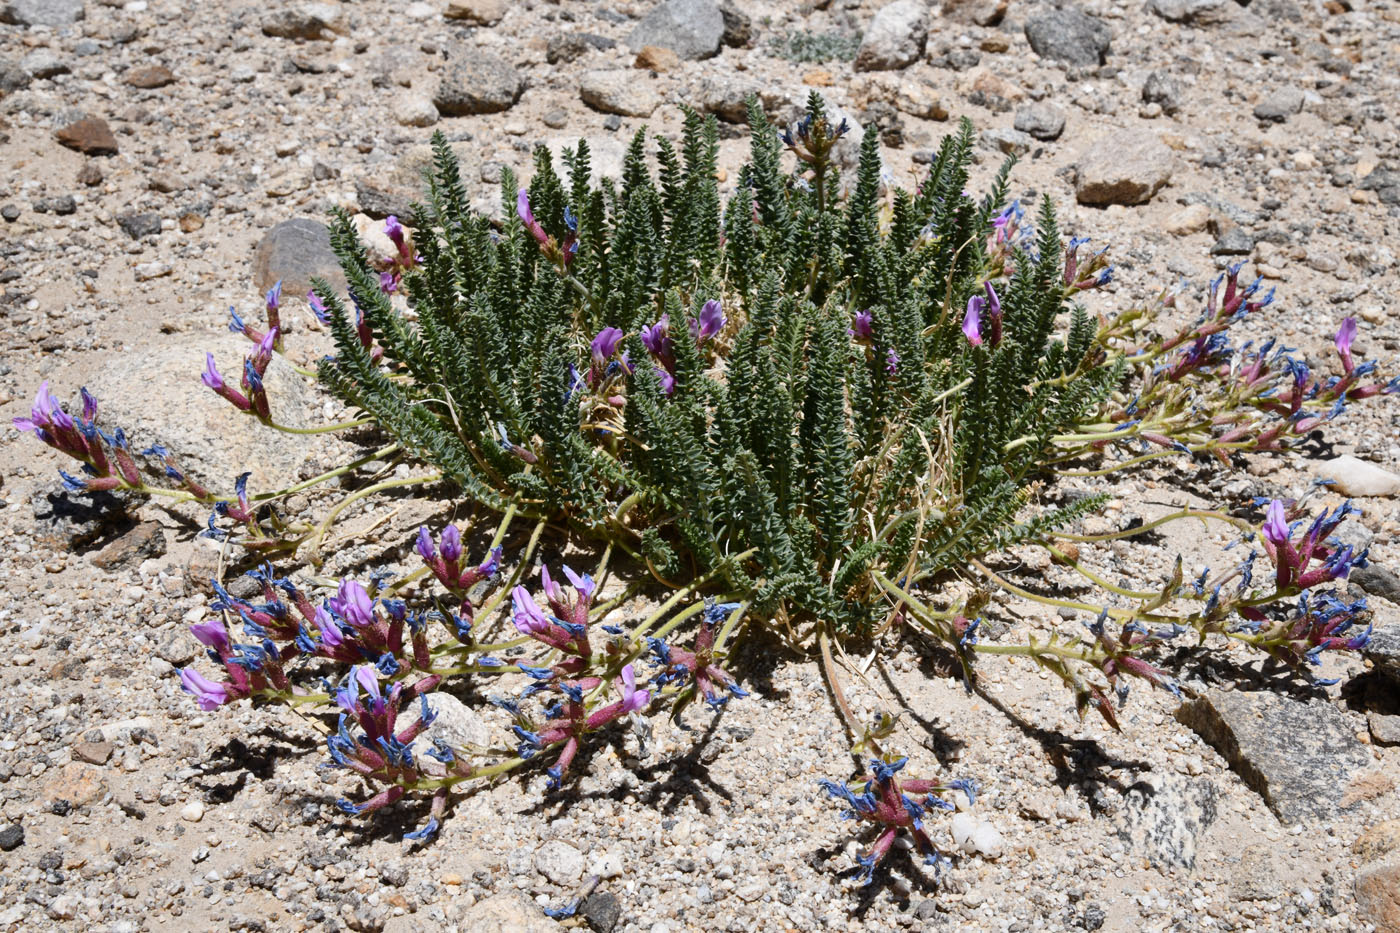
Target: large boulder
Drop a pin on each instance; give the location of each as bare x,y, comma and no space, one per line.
1126,167
293,253
477,82
693,29
1070,36
895,37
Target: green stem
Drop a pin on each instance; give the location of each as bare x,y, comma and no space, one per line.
324,429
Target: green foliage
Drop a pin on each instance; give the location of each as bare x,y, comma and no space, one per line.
793,454
801,45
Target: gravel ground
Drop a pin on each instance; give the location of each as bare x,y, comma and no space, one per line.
1186,135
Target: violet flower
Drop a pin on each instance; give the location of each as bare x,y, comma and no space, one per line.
605,345
318,307
527,217
862,325
972,321
208,694
1345,335
657,339
709,322
891,362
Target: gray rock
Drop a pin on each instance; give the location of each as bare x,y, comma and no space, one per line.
1296,755
1383,650
895,37
1041,119
43,63
621,92
293,253
1126,167
1353,534
1257,877
508,912
727,97
560,862
414,109
138,226
1070,36
602,910
304,21
141,543
457,726
1195,12
693,29
42,12
1378,580
974,12
1385,730
1233,242
477,82
209,438
13,77
574,45
1280,105
477,12
738,25
379,199
1353,477
11,837
1163,817
1012,142
1164,90
63,204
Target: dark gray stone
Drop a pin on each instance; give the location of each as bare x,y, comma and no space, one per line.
1163,817
1070,36
1163,90
1280,105
1378,581
293,253
573,45
42,12
1383,650
11,837
138,226
13,77
738,25
1094,918
10,212
63,204
1042,119
1234,242
477,82
1296,755
303,21
602,910
693,29
379,200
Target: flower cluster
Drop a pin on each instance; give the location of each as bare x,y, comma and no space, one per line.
886,801
253,397
696,671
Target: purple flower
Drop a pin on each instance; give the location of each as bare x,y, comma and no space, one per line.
451,544
668,381
318,307
211,634
353,604
529,618
331,635
862,325
527,217
1276,524
208,694
46,415
216,382
274,297
709,323
891,362
972,321
657,340
584,584
632,698
605,345
1345,335
394,230
424,544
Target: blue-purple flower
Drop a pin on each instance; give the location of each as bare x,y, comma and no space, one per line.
709,322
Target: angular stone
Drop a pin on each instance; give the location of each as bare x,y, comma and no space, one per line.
304,21
414,109
1042,120
975,12
1377,841
477,82
560,862
150,77
94,753
1353,477
139,226
602,910
209,438
1163,90
1297,756
508,912
1164,816
1383,650
1070,36
1192,218
693,29
1385,730
42,12
1377,890
294,252
11,837
457,726
1011,142
141,543
1126,167
78,783
895,38
90,135
738,26
477,12
1233,242
1257,877
1280,105
1194,12
619,92
657,58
